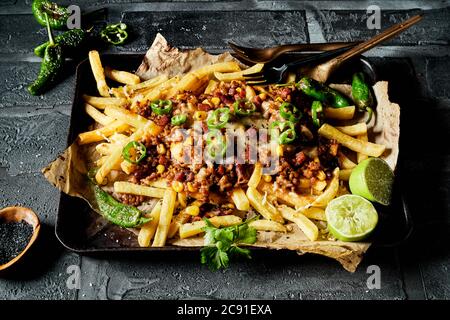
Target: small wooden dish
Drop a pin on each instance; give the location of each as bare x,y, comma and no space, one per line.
18,214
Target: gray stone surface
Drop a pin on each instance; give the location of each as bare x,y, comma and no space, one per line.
33,131
213,30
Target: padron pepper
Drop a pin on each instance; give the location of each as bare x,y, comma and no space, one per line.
57,15
69,41
115,34
322,93
362,96
118,213
243,107
316,111
134,152
51,66
161,107
286,132
290,112
218,118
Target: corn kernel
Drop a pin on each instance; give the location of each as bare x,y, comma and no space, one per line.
319,185
238,90
279,99
182,200
179,96
263,96
206,101
230,205
177,186
161,149
321,175
200,115
267,178
280,150
215,101
191,187
160,168
192,210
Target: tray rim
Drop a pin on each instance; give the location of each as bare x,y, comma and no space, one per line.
409,224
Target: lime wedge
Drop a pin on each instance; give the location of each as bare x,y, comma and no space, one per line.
351,217
373,180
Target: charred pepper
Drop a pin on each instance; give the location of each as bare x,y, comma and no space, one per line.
322,93
115,33
118,213
51,66
57,15
69,41
362,95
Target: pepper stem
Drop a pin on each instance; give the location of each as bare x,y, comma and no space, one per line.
49,31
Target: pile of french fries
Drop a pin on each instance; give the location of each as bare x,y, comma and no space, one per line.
116,124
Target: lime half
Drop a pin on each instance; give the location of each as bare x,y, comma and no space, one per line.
351,217
373,180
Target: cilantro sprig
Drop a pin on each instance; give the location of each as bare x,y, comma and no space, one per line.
222,243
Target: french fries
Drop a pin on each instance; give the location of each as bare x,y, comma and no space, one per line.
267,210
267,225
188,230
367,148
98,116
354,130
121,76
131,188
212,85
239,75
148,84
329,193
307,226
148,230
99,75
345,162
290,198
167,208
361,156
240,199
313,213
102,103
103,133
256,176
344,175
126,116
179,220
345,113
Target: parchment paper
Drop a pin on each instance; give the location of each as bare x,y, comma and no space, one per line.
68,171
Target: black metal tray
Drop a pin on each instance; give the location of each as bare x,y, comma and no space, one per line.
81,230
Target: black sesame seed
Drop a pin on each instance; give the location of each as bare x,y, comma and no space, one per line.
14,237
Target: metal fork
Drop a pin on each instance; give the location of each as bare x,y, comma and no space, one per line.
276,74
266,55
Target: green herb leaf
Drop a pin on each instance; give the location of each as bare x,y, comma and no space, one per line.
220,243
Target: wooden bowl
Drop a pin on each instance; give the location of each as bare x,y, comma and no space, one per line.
18,214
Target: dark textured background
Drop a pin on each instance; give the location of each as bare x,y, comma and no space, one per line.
33,131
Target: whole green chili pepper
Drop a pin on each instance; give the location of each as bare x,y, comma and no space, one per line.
118,213
161,107
69,41
51,66
215,143
316,111
115,33
57,15
243,107
322,93
290,112
287,132
134,152
218,118
362,95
